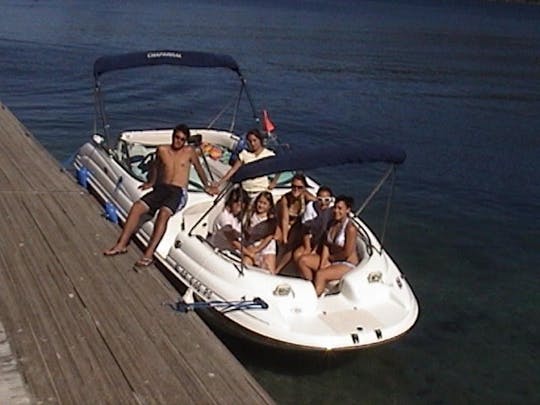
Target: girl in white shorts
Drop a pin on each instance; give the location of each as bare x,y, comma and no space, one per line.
259,247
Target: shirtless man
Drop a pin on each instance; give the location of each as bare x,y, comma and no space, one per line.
169,178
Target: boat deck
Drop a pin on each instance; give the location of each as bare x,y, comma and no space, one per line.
84,328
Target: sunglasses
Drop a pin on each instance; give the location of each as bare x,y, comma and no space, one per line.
325,200
296,187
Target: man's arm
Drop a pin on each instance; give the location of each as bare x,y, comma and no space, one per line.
234,168
200,171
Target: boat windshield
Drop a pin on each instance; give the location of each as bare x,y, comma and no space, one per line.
136,151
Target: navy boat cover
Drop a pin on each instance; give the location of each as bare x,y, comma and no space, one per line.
302,158
164,57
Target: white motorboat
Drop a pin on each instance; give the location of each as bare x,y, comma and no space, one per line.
372,304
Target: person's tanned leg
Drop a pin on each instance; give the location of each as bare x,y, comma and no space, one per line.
308,264
137,210
159,229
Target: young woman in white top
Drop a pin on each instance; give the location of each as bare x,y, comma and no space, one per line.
338,255
256,151
227,226
258,246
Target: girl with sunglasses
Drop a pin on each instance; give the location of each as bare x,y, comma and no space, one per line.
315,220
291,207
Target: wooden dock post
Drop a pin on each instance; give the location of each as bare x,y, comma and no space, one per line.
85,328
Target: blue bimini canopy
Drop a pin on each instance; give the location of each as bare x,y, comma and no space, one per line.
164,57
302,158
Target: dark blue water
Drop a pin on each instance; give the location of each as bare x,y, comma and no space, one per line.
455,83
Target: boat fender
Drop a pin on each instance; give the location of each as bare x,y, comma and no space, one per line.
111,212
188,296
240,146
82,176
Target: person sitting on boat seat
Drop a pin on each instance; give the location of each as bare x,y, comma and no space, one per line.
227,226
256,151
257,245
290,209
169,176
339,254
315,221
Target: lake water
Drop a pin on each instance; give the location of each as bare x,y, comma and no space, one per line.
455,83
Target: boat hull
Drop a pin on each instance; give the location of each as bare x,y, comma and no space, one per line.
374,304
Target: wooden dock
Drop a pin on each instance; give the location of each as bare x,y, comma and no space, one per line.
85,328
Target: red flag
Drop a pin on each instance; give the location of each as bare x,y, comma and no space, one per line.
268,126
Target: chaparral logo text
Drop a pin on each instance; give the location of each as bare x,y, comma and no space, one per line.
153,55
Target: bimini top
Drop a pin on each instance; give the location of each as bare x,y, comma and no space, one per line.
163,57
302,158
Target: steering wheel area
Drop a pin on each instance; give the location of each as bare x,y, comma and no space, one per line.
146,162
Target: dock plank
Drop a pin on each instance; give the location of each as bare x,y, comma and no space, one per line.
86,328
12,388
49,311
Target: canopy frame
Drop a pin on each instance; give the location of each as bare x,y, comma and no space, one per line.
189,59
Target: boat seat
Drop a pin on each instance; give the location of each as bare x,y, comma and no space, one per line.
361,249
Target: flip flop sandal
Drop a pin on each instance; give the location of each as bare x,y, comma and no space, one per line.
144,262
114,252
